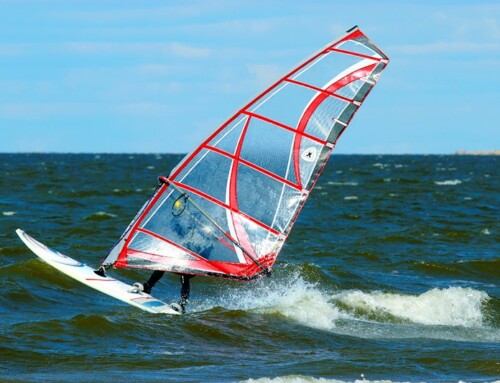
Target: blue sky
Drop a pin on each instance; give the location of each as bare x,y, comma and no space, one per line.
160,76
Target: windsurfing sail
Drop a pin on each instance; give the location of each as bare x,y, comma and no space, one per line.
227,208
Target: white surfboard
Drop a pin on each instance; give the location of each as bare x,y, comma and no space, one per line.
86,275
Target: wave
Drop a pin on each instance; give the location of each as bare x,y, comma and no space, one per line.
351,198
448,182
310,305
453,306
8,213
346,183
99,216
485,269
295,299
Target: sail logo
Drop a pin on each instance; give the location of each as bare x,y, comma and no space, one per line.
309,154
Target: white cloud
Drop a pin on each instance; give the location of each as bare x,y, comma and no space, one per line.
265,74
188,51
113,48
447,47
142,109
36,111
10,50
119,14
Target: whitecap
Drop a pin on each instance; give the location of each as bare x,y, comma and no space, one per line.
486,231
100,215
351,198
294,299
104,214
453,306
346,183
448,182
9,213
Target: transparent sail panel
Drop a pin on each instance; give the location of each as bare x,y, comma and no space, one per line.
358,47
178,220
148,244
376,72
347,113
322,118
269,146
266,199
310,154
285,105
365,41
335,132
355,90
227,139
320,73
263,242
209,174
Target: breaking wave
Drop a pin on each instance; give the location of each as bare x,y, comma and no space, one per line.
295,299
99,216
448,182
309,305
453,306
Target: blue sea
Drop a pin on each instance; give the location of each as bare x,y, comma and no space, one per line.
391,274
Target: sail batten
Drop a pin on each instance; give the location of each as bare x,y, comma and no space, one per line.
227,208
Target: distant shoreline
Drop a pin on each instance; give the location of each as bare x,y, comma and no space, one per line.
478,153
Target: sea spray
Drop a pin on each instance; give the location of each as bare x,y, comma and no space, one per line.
293,298
311,305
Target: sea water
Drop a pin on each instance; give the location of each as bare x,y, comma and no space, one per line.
389,275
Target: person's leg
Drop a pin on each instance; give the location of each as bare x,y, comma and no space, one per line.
185,290
155,277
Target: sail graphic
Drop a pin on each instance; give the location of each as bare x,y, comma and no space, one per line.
226,209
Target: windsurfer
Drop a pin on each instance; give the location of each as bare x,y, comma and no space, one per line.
185,288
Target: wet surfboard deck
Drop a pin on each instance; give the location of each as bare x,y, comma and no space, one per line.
86,275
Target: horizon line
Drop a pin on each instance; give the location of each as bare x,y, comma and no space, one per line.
457,152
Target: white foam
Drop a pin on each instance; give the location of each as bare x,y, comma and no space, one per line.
351,198
346,183
9,213
102,214
453,306
295,299
362,314
486,231
448,182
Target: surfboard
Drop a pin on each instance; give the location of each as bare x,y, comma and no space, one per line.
86,275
